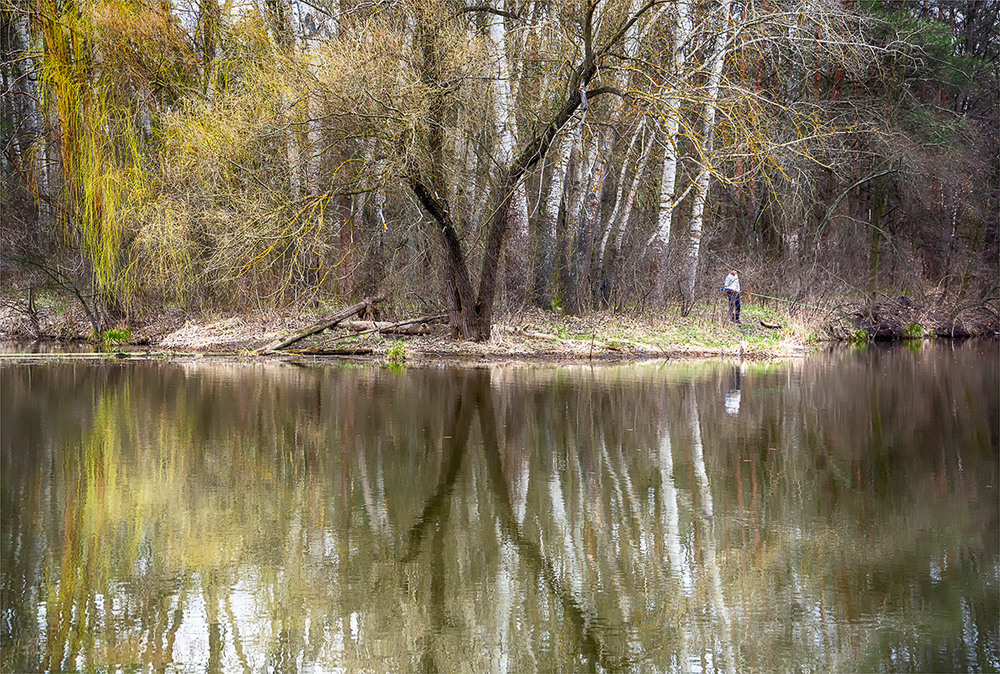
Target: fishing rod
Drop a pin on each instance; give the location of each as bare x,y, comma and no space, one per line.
781,299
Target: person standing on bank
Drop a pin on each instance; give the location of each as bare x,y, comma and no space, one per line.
732,288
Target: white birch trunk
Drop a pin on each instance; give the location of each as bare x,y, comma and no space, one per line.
292,157
704,490
550,217
629,205
668,175
506,132
314,145
589,215
589,223
37,127
702,181
292,149
575,212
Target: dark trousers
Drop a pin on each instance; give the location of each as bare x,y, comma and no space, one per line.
734,305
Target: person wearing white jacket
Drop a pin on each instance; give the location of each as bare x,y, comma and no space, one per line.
732,288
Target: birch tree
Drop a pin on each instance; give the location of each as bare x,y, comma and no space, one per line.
701,183
505,122
554,194
670,139
581,260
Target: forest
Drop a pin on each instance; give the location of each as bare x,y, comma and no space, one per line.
478,159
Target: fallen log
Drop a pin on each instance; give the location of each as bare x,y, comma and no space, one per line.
327,322
412,326
361,351
385,328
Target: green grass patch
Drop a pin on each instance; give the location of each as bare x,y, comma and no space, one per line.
114,337
395,353
860,336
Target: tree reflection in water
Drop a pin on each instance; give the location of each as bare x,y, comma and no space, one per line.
249,518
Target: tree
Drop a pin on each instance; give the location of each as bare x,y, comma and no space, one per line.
472,311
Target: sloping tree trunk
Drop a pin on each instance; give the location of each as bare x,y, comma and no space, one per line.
621,195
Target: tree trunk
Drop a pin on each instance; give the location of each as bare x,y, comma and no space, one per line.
619,221
505,118
327,322
702,181
550,219
668,175
876,225
475,315
620,196
576,216
39,150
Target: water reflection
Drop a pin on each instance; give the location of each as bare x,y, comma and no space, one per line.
281,518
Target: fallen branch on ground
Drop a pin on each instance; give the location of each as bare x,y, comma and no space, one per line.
413,326
327,322
361,351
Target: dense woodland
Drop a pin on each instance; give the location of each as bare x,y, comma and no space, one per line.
487,157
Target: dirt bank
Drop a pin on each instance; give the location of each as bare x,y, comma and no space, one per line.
767,331
530,335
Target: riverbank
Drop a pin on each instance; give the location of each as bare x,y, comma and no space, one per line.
767,331
530,335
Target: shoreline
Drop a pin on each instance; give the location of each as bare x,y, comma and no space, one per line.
529,337
538,338
418,353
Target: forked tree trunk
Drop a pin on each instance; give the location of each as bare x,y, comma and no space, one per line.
618,222
473,314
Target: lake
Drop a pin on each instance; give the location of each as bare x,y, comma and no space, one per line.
836,513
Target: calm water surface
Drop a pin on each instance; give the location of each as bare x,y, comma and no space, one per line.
835,514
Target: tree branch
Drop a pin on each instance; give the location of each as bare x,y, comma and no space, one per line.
490,10
843,195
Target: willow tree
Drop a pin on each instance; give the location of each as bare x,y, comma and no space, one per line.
103,67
